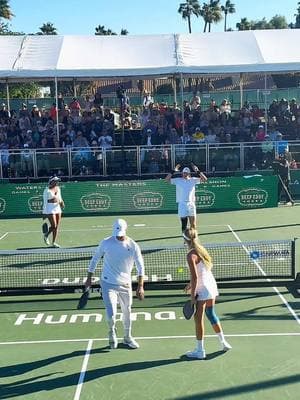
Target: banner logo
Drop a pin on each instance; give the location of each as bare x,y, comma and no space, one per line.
35,204
252,197
205,198
2,205
95,202
147,200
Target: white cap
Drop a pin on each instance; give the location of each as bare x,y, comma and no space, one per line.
53,179
186,170
119,227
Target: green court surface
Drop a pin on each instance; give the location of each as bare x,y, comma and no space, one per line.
49,350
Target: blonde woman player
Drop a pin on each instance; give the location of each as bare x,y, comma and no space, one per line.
52,209
203,289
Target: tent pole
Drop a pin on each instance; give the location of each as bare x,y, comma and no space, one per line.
241,90
174,89
74,88
182,110
56,105
266,105
7,96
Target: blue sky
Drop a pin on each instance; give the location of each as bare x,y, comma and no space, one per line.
80,17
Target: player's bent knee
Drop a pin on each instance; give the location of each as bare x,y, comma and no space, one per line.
211,315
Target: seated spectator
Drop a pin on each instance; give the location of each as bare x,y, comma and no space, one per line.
195,102
80,141
198,136
105,140
74,105
260,134
147,99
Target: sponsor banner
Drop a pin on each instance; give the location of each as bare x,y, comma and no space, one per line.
133,197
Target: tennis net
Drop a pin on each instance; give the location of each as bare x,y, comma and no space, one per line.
67,268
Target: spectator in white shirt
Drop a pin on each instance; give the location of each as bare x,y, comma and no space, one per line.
119,254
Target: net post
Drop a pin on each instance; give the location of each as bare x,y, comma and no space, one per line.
294,258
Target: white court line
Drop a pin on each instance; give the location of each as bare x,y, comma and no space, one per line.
83,369
151,338
109,227
3,236
285,302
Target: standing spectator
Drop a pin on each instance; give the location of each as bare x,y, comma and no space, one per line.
53,112
60,102
119,254
203,290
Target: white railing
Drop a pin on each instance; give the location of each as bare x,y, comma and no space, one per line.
141,161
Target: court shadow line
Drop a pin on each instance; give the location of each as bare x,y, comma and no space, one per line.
242,389
31,385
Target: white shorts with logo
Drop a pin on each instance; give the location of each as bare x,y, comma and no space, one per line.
187,209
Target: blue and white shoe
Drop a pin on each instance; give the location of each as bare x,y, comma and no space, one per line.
196,354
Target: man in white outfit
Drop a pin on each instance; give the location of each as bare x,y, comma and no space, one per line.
119,253
185,194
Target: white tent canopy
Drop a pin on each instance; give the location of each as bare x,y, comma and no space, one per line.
148,55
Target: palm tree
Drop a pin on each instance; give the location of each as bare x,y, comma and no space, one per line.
229,8
100,30
297,23
5,11
124,32
211,13
244,25
189,8
47,29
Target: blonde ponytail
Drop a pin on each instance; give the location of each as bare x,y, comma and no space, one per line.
191,236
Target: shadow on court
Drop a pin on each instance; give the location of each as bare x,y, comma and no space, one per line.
38,384
242,389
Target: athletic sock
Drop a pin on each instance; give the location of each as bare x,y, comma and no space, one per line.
221,337
200,344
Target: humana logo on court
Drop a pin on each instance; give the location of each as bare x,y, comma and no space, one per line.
84,318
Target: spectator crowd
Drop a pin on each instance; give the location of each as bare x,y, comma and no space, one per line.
89,125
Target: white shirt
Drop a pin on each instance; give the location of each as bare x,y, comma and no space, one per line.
185,189
51,208
119,258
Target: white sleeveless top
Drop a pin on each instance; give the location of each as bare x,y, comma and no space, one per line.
207,286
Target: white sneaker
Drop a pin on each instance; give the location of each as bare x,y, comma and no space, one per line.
46,240
55,245
197,354
226,346
132,343
113,340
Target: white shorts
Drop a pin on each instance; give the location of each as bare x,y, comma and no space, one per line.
187,209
